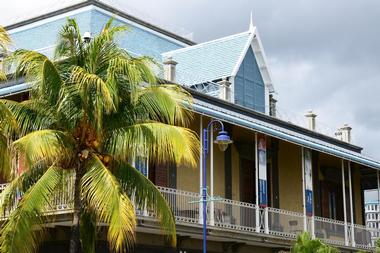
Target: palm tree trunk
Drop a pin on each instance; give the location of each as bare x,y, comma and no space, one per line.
75,245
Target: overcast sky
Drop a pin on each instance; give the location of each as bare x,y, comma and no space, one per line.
323,55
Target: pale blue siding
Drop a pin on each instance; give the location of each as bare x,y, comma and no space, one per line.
249,84
136,40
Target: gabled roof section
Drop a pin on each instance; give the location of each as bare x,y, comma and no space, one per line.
209,61
217,59
42,12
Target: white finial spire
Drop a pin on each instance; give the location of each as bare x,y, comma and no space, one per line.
251,26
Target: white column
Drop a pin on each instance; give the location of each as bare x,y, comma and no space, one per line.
212,207
303,190
200,168
351,206
344,206
257,187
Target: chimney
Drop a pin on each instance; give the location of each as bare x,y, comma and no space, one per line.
169,69
272,106
346,133
310,115
225,90
338,134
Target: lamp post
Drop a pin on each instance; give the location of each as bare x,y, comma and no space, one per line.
223,140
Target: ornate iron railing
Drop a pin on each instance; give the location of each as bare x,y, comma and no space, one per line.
236,216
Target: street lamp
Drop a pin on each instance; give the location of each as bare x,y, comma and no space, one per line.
222,139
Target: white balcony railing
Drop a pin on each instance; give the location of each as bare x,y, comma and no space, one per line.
239,216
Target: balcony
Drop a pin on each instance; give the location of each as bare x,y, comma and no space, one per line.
240,217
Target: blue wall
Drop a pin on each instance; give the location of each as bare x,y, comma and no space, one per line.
136,40
249,84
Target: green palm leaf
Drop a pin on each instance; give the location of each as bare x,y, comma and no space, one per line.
165,103
5,40
163,142
103,192
50,146
28,116
23,231
146,195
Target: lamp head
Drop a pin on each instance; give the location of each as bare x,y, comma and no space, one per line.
223,140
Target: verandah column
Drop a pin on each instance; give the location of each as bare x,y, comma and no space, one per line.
200,214
344,206
261,148
257,187
212,207
307,185
351,206
303,189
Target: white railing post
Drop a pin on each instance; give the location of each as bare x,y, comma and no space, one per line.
257,187
266,221
312,224
344,206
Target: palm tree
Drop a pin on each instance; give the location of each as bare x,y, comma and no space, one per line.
4,43
90,112
305,244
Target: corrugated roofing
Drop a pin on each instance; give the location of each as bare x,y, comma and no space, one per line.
209,61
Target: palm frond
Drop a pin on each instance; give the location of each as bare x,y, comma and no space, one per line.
96,95
102,191
23,231
27,116
70,106
146,195
8,123
5,40
160,141
135,70
70,44
51,82
165,103
5,157
50,146
109,30
28,64
19,185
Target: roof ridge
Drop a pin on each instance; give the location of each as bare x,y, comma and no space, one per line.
180,50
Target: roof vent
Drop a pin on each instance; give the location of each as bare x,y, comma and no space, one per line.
311,124
225,89
346,133
169,69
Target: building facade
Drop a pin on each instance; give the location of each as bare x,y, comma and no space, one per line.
275,181
372,217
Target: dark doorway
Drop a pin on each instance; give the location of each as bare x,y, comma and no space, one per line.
247,192
247,181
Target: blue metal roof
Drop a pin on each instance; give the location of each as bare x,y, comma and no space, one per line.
209,61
